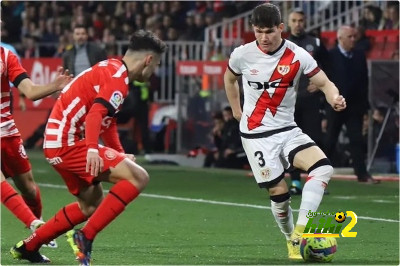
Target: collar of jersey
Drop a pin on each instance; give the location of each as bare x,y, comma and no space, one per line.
273,52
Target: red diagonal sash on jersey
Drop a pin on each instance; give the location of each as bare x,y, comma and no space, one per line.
285,71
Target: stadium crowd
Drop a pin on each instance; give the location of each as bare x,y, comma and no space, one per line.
27,23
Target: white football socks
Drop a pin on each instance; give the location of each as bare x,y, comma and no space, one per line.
283,216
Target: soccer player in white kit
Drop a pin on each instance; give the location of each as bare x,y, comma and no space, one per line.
270,68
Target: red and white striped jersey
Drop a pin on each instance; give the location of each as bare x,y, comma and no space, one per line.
105,83
270,83
11,71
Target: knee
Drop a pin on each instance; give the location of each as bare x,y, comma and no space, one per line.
143,177
321,170
139,177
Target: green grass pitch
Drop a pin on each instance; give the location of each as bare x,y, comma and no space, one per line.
213,217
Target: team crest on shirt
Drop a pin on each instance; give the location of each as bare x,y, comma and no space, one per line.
116,99
22,152
110,155
283,69
265,173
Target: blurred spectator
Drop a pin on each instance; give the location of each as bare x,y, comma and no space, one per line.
372,16
391,17
137,106
362,41
199,27
83,54
215,135
390,136
348,70
29,49
231,153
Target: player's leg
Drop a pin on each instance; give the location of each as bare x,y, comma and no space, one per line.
14,202
319,169
30,192
129,180
263,156
20,170
70,215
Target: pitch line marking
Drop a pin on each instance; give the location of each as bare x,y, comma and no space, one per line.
217,202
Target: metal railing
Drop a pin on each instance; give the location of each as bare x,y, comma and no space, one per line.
322,15
179,50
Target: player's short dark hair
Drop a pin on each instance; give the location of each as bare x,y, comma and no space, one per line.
143,40
266,16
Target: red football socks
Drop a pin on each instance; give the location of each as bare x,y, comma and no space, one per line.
35,204
15,203
120,195
64,220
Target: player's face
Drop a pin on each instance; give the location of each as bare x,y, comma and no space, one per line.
151,63
348,39
296,23
268,39
80,36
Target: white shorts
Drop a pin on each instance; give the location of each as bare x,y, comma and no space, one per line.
269,156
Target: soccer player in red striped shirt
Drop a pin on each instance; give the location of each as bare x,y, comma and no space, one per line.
87,107
14,161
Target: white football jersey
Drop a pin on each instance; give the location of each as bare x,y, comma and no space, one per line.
270,83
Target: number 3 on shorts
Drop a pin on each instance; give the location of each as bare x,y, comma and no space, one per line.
259,155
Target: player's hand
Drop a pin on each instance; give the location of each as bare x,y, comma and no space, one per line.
131,157
63,78
94,163
339,103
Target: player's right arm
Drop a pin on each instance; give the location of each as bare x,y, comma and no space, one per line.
331,92
232,92
35,92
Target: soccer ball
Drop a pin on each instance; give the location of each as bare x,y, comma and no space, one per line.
340,217
318,249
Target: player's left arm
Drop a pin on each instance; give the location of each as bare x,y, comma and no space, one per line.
331,92
35,92
110,137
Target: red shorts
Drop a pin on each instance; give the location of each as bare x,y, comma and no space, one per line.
14,160
70,163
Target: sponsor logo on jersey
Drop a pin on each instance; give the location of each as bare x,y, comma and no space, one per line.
116,99
267,85
54,161
110,155
22,152
283,69
254,72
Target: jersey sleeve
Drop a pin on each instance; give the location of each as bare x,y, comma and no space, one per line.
16,73
234,62
310,66
112,95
